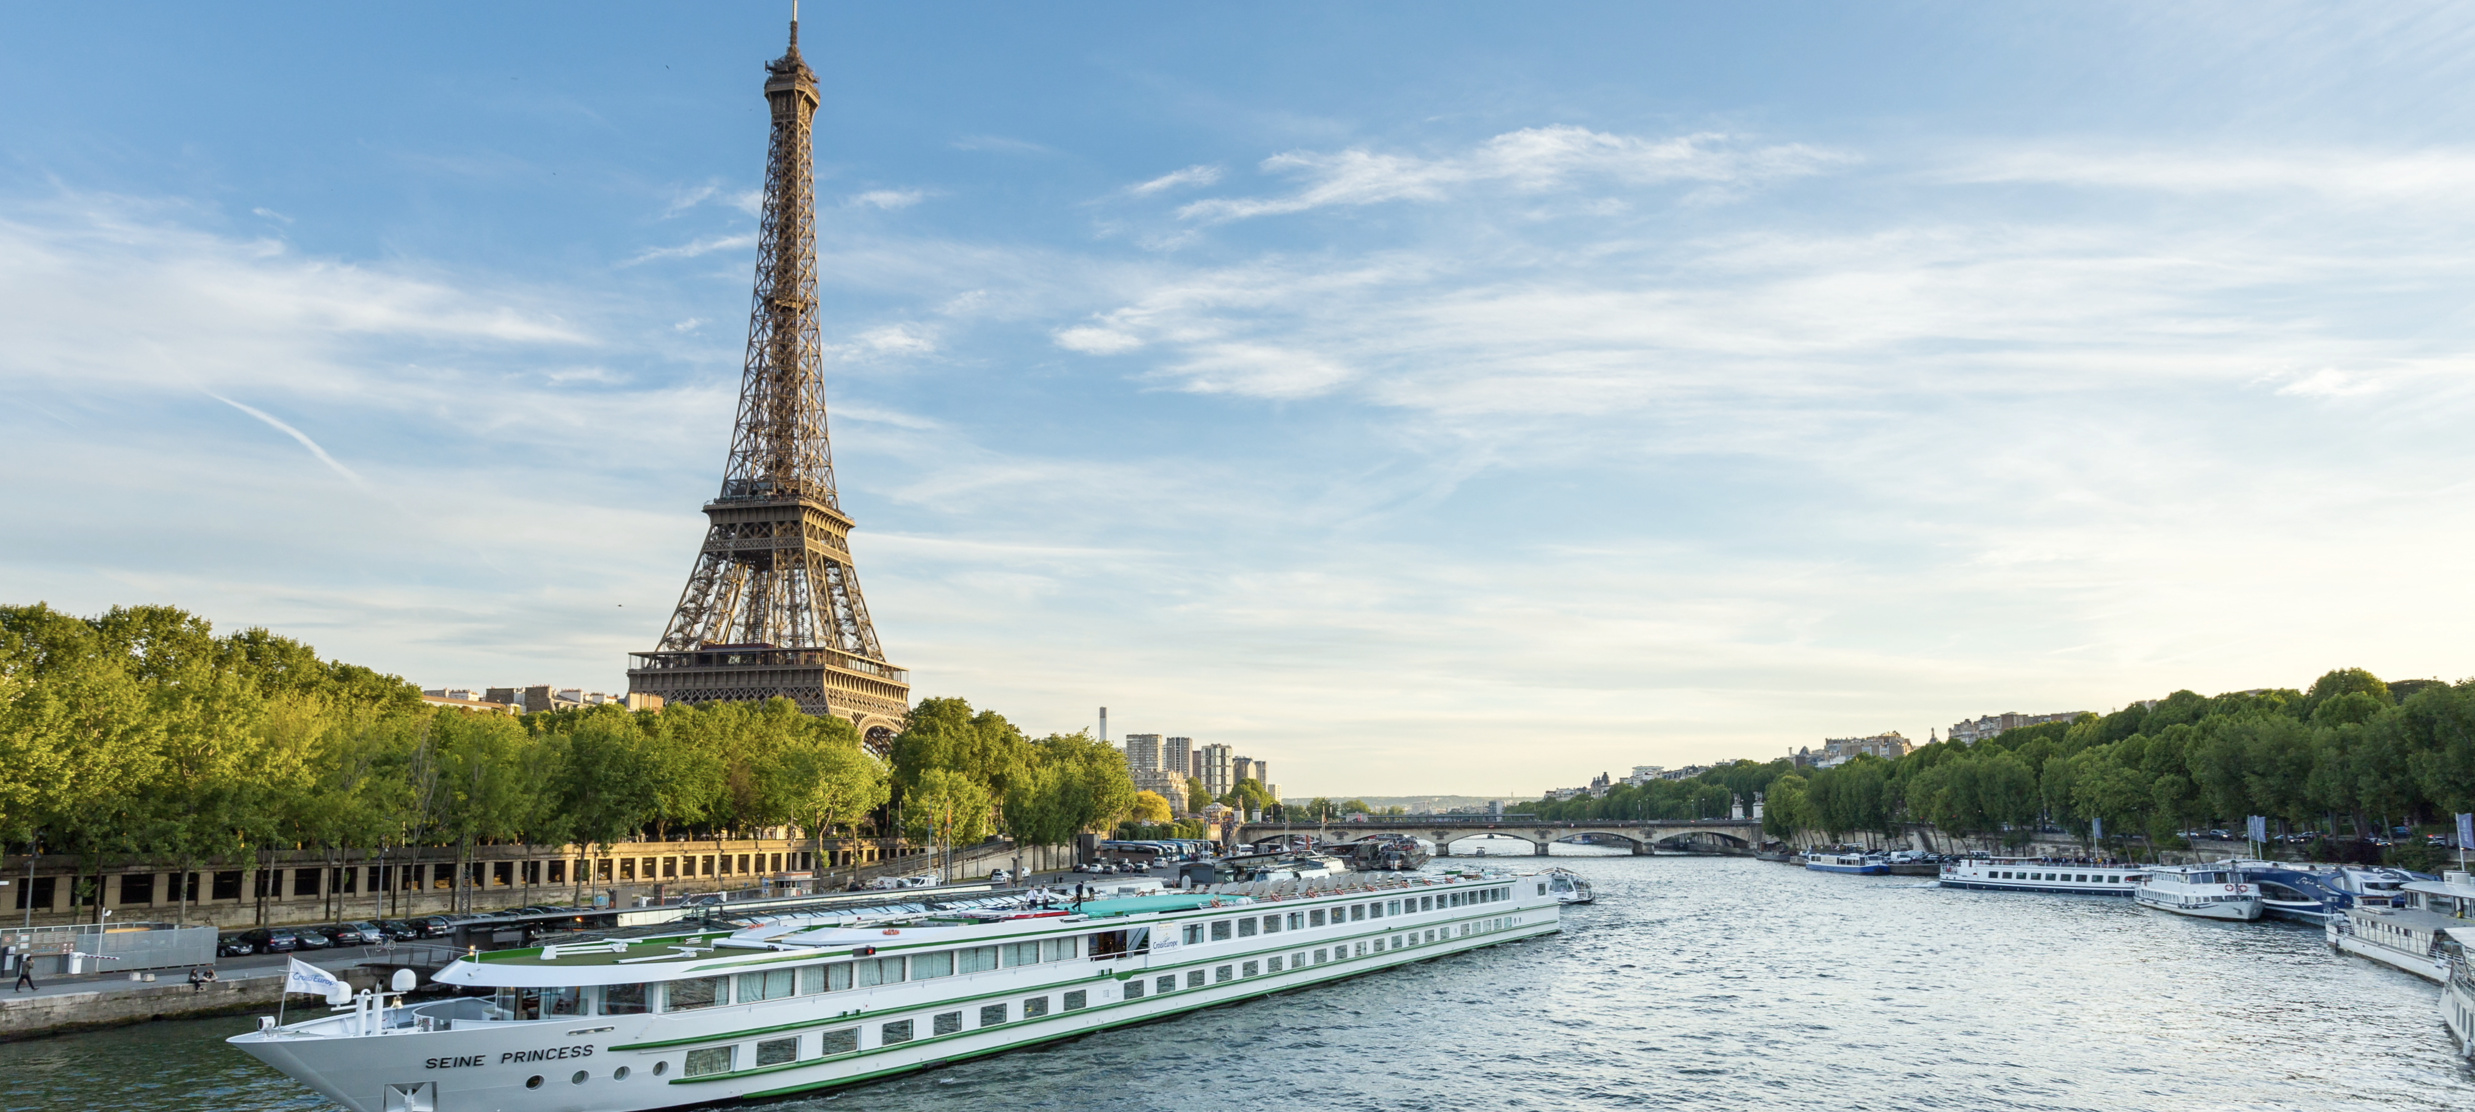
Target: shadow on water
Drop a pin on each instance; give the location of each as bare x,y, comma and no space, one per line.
1705,983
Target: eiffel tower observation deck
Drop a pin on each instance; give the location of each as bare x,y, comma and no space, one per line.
773,606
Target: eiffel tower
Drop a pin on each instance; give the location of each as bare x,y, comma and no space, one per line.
773,606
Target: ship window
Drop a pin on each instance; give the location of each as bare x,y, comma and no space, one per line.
946,1023
1320,955
710,1060
693,993
1272,964
1224,973
1165,984
844,1040
563,1001
1542,889
623,999
1021,953
1134,989
1034,1007
1314,918
1112,944
1396,942
1250,969
1194,933
770,985
1271,924
978,959
992,1014
1375,910
1430,936
927,966
1427,903
1075,1000
1194,978
1357,912
2079,880
1220,930
1246,928
1061,949
1362,949
774,1052
899,1031
1297,920
877,971
1392,907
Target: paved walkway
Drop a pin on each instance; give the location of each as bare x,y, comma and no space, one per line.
226,970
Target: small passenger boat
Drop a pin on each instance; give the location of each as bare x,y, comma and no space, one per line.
1567,887
2200,891
1864,864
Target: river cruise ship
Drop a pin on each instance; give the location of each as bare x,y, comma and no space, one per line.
792,1003
2458,1002
2418,937
2038,874
2200,891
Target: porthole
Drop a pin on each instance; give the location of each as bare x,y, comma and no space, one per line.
579,1078
660,1068
533,1082
619,1074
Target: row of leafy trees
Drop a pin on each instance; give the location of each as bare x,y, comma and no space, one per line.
142,733
1708,795
2352,755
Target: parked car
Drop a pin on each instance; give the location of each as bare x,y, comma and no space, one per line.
311,938
272,940
399,930
233,946
364,933
434,926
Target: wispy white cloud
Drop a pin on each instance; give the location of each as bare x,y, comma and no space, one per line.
1176,179
693,248
295,434
887,199
1000,144
1532,160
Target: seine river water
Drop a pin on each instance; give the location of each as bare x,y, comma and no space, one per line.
1718,983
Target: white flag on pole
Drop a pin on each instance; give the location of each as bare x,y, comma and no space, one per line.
304,977
2096,828
2258,828
2466,831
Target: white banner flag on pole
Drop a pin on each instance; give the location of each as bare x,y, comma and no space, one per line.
2258,828
304,977
2096,828
2466,830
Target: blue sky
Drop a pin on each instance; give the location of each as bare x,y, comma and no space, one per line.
1424,398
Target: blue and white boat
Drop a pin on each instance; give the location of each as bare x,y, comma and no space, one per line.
1864,864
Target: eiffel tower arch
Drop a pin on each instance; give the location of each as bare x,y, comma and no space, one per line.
773,606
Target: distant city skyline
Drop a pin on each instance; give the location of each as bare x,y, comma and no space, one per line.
1414,399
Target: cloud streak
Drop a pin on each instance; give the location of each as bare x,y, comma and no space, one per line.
295,434
1531,160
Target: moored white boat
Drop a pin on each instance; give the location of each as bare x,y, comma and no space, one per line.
2200,891
2037,874
2416,938
743,1009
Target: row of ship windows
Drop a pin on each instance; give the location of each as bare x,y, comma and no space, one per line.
846,1040
1222,930
747,988
2076,878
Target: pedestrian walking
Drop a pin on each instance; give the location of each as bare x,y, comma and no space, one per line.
25,975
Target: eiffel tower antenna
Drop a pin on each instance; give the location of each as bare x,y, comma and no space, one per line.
773,606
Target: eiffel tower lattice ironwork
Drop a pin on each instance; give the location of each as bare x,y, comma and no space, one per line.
773,606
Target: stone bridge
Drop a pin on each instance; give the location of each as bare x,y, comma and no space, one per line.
1738,835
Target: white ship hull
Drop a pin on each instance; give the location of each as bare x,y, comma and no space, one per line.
2244,909
374,1060
2458,1011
